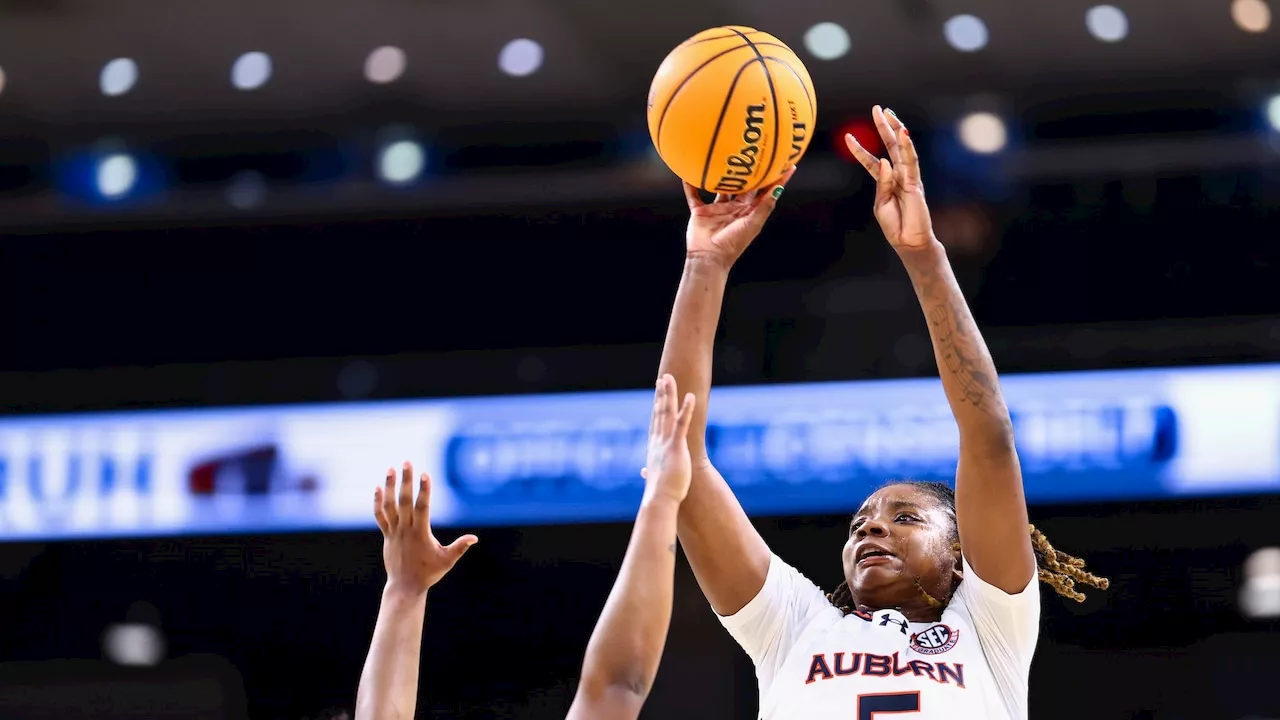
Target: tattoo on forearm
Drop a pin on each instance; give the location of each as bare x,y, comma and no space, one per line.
955,346
959,345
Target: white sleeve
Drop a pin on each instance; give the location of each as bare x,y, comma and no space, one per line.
769,625
1007,627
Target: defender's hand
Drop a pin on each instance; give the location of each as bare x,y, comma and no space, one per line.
414,559
668,467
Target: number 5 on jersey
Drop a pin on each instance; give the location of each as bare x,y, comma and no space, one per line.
869,706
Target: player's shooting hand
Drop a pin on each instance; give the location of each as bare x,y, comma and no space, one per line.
720,231
668,467
414,559
899,206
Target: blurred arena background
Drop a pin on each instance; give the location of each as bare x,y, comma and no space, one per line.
255,253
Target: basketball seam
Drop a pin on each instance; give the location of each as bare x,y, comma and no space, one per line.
724,108
813,112
733,33
657,135
773,93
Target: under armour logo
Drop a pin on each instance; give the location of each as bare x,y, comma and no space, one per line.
896,619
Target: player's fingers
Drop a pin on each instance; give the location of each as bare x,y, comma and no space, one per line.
887,135
884,182
754,196
864,157
406,490
422,507
388,495
379,515
458,547
666,409
895,122
655,416
725,197
691,196
768,199
910,159
673,405
686,415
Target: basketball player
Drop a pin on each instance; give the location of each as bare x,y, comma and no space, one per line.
622,656
415,561
939,611
626,645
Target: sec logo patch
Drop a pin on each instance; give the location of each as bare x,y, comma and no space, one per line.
935,640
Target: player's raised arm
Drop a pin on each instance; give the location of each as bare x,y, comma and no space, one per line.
626,646
415,561
990,506
727,555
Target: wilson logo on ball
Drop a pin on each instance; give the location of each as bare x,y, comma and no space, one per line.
742,165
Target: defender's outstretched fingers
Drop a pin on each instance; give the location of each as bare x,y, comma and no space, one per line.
869,162
691,196
422,508
388,498
887,135
666,412
686,415
380,515
458,547
406,490
910,159
655,415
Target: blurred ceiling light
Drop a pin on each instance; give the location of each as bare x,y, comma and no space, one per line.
1260,596
1251,15
965,33
520,57
118,77
246,190
116,175
384,65
1107,23
827,41
1273,112
133,644
251,71
401,162
983,133
2,80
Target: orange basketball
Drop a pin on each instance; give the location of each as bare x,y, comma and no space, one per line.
731,109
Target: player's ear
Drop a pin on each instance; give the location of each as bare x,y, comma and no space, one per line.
957,569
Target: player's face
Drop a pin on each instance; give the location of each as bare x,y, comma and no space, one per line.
899,536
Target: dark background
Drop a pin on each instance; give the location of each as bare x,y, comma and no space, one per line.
1131,222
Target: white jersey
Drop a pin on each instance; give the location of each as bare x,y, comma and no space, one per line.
815,663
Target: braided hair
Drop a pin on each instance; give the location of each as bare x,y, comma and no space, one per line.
1057,569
